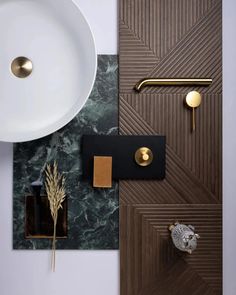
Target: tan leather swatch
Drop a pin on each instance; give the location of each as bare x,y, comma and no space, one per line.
102,172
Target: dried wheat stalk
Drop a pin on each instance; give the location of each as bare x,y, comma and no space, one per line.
55,188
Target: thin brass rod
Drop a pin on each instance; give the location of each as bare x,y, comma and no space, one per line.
171,82
193,120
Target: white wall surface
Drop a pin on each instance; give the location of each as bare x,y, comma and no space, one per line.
97,272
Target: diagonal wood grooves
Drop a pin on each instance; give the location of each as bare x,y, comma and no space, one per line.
205,219
159,17
192,52
126,35
183,43
183,56
152,221
166,38
175,168
198,165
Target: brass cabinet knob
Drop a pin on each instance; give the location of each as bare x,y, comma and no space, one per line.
143,156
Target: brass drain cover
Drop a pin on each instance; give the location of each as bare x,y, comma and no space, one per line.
21,67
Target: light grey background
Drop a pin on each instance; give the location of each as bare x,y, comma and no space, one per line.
229,146
97,272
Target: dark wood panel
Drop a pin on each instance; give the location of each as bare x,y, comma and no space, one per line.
188,46
166,38
150,261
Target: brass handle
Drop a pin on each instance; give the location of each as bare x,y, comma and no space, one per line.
171,82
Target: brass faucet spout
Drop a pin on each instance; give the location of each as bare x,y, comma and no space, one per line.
171,82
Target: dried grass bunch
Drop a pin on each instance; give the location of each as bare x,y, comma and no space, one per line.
55,188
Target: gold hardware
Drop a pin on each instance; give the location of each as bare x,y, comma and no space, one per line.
21,67
193,100
102,172
171,82
143,156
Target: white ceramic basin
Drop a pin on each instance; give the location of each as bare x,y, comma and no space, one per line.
55,36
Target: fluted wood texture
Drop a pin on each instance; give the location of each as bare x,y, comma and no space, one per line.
173,39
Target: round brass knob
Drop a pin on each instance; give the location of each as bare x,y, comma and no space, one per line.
193,99
143,156
21,67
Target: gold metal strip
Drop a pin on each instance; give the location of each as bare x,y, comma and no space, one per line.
171,82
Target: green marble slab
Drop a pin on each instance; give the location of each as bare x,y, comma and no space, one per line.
93,217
